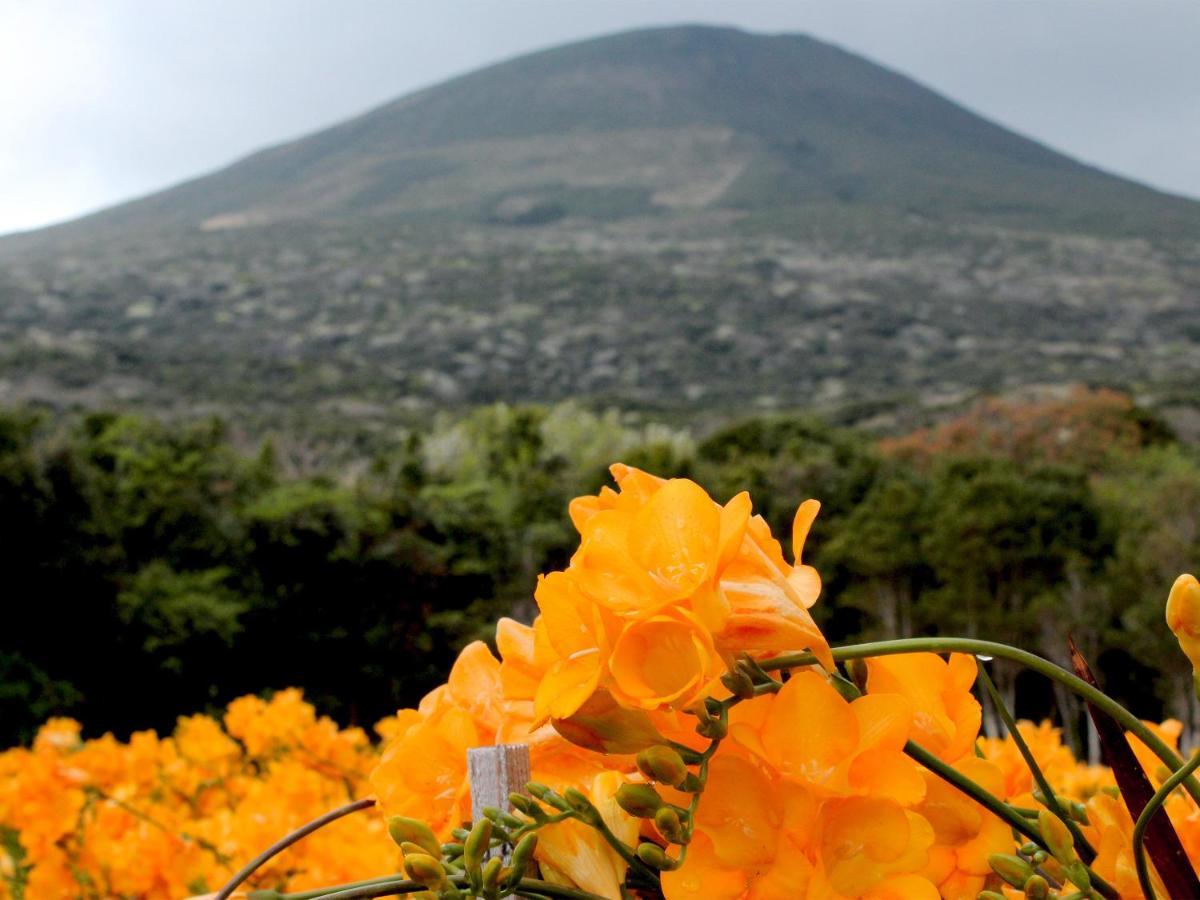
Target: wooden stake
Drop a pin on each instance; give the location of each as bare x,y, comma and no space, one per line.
494,773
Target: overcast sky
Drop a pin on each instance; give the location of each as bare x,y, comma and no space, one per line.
102,100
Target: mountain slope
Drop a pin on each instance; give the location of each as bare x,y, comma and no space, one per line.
663,122
694,220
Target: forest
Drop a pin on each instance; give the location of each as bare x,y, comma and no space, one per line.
159,568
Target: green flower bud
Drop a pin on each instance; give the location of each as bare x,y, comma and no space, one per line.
475,850
424,869
1057,837
526,806
639,800
666,820
1077,874
522,856
847,689
662,764
491,877
416,832
408,847
579,802
857,669
1079,812
692,784
739,684
1029,848
1039,856
1012,869
989,895
1037,888
654,856
548,796
460,834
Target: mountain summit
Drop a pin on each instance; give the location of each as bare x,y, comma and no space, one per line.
686,218
664,122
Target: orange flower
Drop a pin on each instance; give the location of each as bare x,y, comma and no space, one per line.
965,833
947,715
868,844
666,585
664,660
1183,616
808,732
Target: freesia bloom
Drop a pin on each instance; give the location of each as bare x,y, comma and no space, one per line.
666,587
947,715
1183,616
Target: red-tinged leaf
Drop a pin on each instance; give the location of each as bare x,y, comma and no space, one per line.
1162,843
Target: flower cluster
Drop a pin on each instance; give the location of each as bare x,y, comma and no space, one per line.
165,817
690,737
667,608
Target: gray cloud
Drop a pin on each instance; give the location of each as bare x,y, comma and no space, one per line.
103,101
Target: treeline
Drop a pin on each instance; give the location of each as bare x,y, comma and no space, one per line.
153,569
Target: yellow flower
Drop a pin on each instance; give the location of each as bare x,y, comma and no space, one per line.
808,732
665,660
947,716
1183,616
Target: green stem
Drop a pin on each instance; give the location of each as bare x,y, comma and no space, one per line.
1044,667
1086,852
1139,828
393,887
283,843
318,893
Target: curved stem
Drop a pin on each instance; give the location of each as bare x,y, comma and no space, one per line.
1139,828
283,843
1042,666
396,887
1086,852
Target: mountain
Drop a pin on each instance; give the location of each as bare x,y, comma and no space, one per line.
694,220
664,122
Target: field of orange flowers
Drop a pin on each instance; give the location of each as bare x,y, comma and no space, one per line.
692,735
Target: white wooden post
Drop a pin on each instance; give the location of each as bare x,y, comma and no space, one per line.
494,773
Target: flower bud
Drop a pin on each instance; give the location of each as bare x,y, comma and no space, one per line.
666,820
662,764
424,869
654,856
408,847
526,806
639,800
491,877
1037,888
522,856
414,831
475,849
990,895
1012,869
548,796
1183,616
1057,836
739,684
580,803
1077,874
